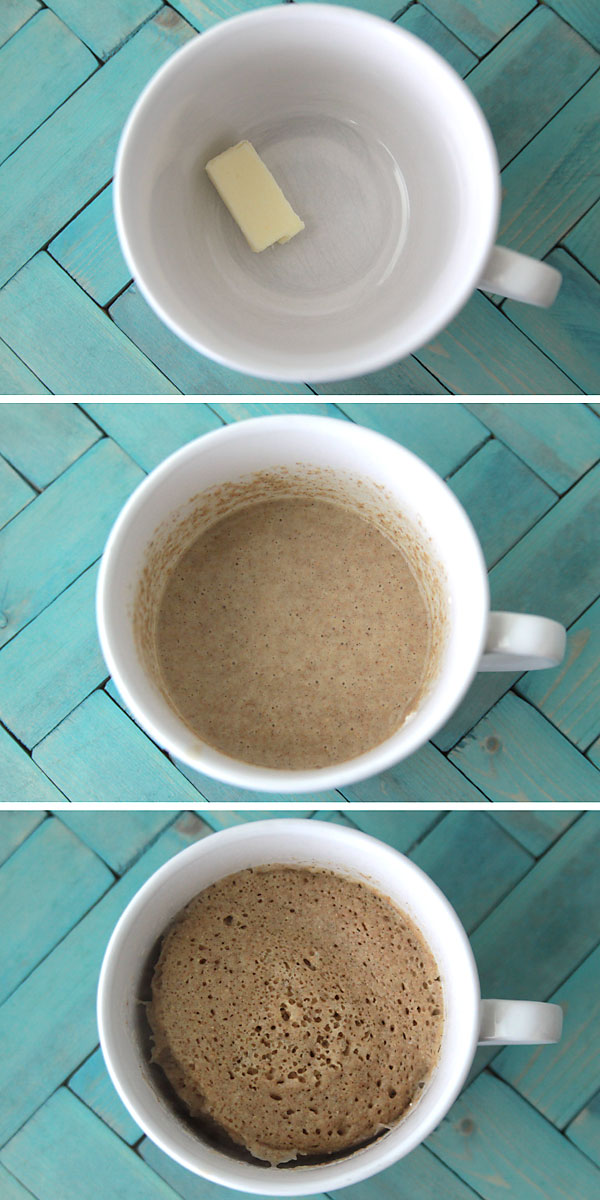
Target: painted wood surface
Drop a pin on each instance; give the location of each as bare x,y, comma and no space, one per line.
534,737
524,1127
76,325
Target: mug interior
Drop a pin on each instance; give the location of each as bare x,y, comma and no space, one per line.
300,843
234,453
378,145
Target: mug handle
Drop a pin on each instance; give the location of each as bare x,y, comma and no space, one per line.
520,277
519,1023
520,642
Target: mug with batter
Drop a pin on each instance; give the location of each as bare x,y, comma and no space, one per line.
293,603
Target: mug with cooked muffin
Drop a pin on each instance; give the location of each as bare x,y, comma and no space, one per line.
290,1006
294,603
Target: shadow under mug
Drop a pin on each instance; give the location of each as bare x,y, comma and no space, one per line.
468,1020
475,640
379,146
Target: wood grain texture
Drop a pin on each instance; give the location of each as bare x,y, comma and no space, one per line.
570,331
480,352
502,497
21,782
57,1001
514,754
584,1131
151,433
118,843
187,1186
14,14
15,492
82,503
92,1084
583,242
536,829
15,378
582,15
479,1140
560,444
438,433
88,249
42,440
425,777
418,20
11,1188
15,828
569,696
53,664
75,757
559,1083
528,76
70,157
42,310
104,28
46,887
26,99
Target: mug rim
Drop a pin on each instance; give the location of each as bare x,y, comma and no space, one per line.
236,772
311,1180
249,363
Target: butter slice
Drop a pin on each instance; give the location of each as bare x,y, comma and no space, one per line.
253,197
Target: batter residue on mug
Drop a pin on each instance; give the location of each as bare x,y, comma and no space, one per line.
293,634
299,1011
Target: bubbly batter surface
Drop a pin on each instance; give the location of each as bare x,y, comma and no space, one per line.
299,1010
293,634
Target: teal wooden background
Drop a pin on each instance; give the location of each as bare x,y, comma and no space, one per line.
72,323
528,475
527,1125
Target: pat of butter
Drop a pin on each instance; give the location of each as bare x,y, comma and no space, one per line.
253,197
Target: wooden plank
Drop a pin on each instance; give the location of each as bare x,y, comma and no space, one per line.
535,829
105,28
97,1159
118,838
21,782
518,84
82,504
552,182
216,819
548,924
555,568
15,828
514,754
75,756
56,1003
45,888
10,1187
480,26
560,442
13,15
584,240
502,497
496,863
558,1081
52,664
187,1185
88,248
584,1131
484,692
424,25
404,378
478,1138
43,311
444,435
482,353
237,410
15,378
420,1174
582,15
568,330
569,696
202,15
402,830
150,432
70,158
424,777
92,1084
42,440
15,493
190,371
27,98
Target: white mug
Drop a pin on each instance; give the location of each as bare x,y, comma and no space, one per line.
468,1020
475,639
382,151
